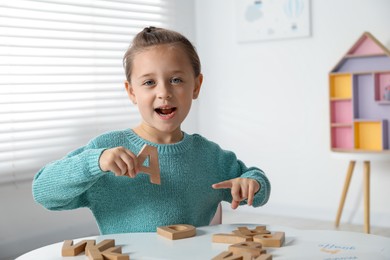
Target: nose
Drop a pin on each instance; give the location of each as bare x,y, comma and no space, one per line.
164,91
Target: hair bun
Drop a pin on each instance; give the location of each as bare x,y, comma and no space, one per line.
149,29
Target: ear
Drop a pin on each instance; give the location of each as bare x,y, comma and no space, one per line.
130,92
198,84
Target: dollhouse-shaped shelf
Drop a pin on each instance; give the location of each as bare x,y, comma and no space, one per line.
359,88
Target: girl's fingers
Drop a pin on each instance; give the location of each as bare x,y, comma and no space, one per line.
241,189
223,185
244,191
133,160
129,162
250,194
116,169
236,193
235,204
121,165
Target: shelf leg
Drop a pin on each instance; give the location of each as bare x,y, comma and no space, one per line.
367,197
345,191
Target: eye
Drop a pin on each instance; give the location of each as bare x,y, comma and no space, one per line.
176,81
148,83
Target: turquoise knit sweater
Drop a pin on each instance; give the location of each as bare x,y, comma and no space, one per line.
122,204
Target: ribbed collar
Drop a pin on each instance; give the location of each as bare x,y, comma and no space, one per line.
178,147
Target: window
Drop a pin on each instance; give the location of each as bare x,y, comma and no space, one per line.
61,75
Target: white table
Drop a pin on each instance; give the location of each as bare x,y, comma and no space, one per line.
299,244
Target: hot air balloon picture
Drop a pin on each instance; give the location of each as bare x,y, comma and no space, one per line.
259,20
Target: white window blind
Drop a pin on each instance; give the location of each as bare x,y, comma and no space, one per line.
61,75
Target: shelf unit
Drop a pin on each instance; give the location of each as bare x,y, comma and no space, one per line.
359,111
358,99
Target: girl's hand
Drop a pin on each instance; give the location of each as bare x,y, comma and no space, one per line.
120,161
241,188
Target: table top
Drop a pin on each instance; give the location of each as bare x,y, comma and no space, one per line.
299,244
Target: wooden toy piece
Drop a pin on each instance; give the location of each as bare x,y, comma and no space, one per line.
94,250
153,170
254,248
114,253
68,249
270,240
227,255
178,231
94,254
244,231
104,250
264,257
230,238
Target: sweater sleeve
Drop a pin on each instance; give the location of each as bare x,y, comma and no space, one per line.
62,184
262,196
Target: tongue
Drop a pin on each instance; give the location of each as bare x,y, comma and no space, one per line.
165,111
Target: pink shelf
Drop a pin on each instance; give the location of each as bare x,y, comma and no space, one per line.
366,46
342,137
341,111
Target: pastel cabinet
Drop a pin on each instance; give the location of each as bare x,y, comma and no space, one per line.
359,103
359,96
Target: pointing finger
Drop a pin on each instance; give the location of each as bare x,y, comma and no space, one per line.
223,185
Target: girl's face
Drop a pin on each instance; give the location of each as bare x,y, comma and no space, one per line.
163,86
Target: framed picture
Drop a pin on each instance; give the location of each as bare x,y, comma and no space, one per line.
259,20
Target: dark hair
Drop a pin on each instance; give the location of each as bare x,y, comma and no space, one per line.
152,36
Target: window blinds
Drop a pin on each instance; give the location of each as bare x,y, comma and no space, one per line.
61,75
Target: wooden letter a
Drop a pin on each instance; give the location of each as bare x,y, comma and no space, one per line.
153,170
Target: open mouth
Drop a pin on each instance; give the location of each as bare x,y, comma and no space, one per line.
165,111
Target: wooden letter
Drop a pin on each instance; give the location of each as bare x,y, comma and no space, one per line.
179,231
153,170
270,240
244,231
94,254
254,248
105,250
94,250
230,238
114,253
68,249
230,256
264,257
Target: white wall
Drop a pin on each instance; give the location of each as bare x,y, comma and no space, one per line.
268,102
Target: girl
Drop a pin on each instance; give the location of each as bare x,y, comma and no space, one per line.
163,76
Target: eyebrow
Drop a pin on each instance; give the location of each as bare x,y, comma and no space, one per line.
177,71
147,75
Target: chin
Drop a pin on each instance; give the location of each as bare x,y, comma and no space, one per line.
168,130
